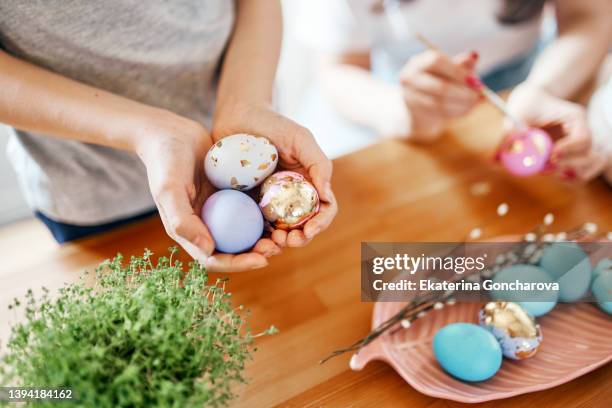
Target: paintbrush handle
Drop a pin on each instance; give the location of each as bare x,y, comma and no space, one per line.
501,105
491,96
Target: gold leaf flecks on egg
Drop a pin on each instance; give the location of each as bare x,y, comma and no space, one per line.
263,166
528,161
219,144
273,156
244,146
256,179
234,181
240,186
214,160
245,163
517,146
538,141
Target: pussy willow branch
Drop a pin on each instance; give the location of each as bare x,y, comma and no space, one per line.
427,302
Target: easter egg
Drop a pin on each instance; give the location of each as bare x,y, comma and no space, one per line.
602,290
234,221
526,152
240,161
569,265
516,330
288,200
467,351
605,265
535,302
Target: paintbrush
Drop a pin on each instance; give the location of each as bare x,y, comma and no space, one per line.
476,84
398,26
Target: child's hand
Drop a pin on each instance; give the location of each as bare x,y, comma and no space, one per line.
298,151
172,149
435,91
566,122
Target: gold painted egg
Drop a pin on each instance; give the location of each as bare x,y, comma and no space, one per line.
516,330
288,200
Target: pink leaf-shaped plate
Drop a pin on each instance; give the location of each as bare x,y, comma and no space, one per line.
576,341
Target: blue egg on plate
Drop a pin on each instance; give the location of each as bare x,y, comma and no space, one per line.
538,309
234,221
569,265
467,351
605,265
602,290
535,302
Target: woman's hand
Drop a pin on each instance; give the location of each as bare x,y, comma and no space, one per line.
172,149
435,90
298,151
572,157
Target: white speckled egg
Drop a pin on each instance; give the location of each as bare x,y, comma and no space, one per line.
240,161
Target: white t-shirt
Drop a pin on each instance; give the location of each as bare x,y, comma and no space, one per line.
454,25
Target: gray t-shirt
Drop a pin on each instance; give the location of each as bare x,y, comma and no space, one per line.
159,52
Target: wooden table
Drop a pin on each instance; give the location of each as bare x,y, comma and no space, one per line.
391,191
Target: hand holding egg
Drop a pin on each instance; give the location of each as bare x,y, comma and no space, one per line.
297,151
566,125
236,222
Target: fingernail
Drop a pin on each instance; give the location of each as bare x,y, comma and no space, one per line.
550,167
259,265
474,82
497,156
474,55
210,262
312,232
569,174
328,191
274,251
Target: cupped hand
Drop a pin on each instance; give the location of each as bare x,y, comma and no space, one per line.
572,156
435,91
172,149
298,151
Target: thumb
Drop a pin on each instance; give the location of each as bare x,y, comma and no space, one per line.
183,225
319,167
321,173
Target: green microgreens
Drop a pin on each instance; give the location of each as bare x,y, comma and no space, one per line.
145,335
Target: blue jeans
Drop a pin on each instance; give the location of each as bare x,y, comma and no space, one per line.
63,232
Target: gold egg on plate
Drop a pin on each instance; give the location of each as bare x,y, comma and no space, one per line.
516,330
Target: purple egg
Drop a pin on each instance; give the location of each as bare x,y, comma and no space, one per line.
234,220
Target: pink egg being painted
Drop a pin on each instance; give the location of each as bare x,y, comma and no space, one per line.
288,200
526,152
